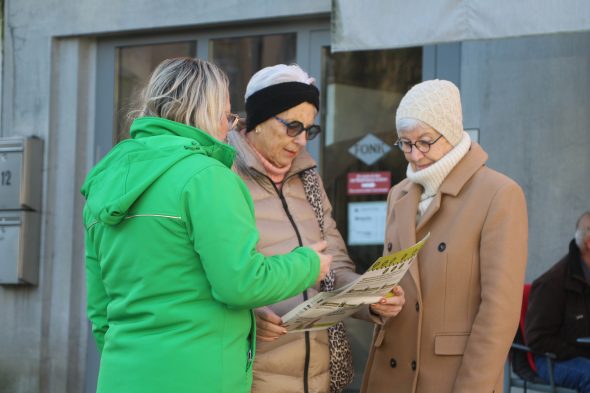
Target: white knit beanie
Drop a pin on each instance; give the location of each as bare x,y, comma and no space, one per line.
437,103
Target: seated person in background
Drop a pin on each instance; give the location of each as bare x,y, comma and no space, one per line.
559,313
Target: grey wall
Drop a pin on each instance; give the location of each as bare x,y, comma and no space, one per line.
48,90
530,98
1,52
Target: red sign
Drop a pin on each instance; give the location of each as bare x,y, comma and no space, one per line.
365,183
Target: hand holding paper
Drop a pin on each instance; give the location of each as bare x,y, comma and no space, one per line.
328,308
391,304
268,325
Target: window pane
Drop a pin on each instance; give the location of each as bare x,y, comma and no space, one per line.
241,57
362,90
134,66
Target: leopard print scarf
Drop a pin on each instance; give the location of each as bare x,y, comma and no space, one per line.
341,370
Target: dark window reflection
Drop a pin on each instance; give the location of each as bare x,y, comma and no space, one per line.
361,91
241,57
134,66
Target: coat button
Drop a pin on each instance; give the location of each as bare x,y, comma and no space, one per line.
442,247
413,365
417,306
392,363
389,247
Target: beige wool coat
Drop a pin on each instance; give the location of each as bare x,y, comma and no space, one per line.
464,291
282,217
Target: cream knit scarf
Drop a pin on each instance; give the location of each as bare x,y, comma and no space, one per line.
432,177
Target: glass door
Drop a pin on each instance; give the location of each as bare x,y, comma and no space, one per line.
360,93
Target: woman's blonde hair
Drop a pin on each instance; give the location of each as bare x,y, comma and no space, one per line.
187,90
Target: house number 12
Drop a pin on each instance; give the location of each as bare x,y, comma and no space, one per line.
6,178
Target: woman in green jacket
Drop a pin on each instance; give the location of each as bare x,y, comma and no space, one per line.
171,260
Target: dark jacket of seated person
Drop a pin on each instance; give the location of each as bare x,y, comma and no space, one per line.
559,309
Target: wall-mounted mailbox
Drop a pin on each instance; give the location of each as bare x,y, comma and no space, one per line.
19,247
21,162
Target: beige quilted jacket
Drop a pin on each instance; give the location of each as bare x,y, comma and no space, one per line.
283,217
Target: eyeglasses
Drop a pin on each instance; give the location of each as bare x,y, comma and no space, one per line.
232,120
422,146
296,127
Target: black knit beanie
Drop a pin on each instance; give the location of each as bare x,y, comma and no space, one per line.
274,99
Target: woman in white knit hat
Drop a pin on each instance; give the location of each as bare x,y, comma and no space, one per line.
463,293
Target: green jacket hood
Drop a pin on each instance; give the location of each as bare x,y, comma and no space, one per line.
133,165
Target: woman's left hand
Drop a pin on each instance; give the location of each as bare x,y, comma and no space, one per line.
390,306
268,325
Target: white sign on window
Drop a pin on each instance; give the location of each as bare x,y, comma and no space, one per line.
366,223
369,149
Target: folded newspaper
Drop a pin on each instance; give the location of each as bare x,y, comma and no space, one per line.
328,308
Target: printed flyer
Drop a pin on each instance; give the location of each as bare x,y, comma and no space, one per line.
328,308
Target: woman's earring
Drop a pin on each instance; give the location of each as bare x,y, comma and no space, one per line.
257,130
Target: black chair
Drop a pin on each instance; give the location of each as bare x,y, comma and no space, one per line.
520,370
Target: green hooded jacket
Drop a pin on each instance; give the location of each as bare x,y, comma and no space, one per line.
172,267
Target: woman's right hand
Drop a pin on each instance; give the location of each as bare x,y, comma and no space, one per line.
325,259
268,325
